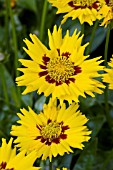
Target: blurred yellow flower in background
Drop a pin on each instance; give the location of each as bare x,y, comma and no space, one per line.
108,77
54,131
13,3
62,71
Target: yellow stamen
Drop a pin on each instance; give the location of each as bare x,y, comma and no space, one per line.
84,2
51,131
60,69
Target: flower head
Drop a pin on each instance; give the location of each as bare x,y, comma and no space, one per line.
107,12
84,10
108,77
10,161
54,131
62,71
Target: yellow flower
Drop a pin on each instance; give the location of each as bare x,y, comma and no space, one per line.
54,131
62,71
10,161
84,10
108,77
107,12
13,3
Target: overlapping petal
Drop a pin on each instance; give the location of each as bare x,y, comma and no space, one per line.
62,70
107,13
108,76
9,160
54,131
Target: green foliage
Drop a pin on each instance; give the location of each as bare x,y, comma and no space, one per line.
30,5
98,153
87,157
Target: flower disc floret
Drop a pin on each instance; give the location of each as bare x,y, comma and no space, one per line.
60,69
85,3
51,131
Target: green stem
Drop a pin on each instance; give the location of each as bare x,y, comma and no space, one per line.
4,85
7,26
44,12
88,50
82,29
106,46
50,166
14,38
106,89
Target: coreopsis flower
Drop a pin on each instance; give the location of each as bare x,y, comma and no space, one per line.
108,76
54,131
62,71
10,161
84,10
107,12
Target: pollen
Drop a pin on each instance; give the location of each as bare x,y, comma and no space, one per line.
84,2
51,131
60,69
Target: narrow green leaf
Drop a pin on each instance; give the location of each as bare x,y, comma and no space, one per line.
87,157
65,161
31,5
96,124
39,103
10,89
98,39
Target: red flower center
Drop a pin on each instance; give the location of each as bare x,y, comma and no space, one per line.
59,70
52,132
75,4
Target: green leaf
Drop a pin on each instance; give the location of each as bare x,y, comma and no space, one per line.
108,163
99,36
65,161
28,99
29,4
8,85
96,124
7,118
104,160
39,103
87,157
